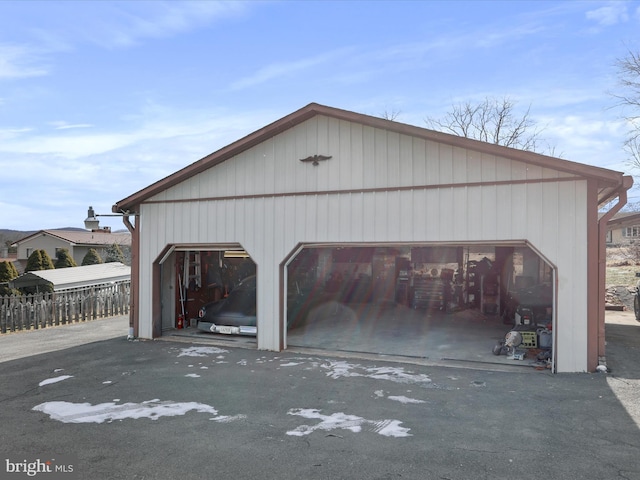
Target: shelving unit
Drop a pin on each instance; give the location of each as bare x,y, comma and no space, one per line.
490,294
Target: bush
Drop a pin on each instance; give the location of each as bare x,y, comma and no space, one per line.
114,254
7,273
39,260
64,259
92,258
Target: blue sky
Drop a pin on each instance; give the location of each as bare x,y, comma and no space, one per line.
100,99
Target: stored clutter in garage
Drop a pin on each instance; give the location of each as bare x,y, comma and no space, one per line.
378,213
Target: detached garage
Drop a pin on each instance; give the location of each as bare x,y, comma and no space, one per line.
365,234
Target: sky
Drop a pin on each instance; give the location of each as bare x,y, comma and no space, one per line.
99,99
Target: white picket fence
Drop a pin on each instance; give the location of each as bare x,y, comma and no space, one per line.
41,310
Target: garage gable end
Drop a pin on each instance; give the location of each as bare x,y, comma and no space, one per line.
356,152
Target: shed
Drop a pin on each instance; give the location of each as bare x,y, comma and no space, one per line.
75,277
388,232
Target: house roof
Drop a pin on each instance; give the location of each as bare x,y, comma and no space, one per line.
624,219
75,277
609,182
81,237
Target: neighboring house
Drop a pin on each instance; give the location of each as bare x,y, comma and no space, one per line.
78,242
623,227
296,194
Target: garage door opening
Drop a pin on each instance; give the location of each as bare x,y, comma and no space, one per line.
437,302
210,291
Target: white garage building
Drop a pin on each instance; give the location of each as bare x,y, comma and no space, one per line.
325,180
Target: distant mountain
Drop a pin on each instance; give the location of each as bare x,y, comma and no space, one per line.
11,236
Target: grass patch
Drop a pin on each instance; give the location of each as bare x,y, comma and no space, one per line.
625,275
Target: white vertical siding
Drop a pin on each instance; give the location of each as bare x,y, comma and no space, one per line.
551,215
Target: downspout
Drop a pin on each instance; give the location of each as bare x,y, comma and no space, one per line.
627,182
135,276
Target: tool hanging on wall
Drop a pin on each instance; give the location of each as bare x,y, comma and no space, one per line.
181,288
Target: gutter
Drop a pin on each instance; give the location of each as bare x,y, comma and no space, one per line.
135,278
627,183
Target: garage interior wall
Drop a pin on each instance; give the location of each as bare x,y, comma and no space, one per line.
378,186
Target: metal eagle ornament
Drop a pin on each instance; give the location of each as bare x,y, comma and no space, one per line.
315,159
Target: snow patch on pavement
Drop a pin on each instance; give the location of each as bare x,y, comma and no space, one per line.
49,381
403,399
341,368
200,351
353,423
68,412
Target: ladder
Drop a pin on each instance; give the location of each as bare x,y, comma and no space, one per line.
192,270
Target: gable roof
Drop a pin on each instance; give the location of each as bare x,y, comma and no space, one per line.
624,219
75,277
82,237
609,182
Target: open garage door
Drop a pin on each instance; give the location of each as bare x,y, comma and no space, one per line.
436,302
208,290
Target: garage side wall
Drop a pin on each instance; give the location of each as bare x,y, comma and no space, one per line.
378,186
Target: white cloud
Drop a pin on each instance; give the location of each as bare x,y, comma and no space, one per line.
589,139
62,125
611,14
131,22
80,167
9,133
20,61
282,69
73,141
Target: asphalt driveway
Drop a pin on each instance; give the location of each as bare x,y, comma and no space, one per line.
116,409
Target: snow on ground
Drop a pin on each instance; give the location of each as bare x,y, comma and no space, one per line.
68,412
289,364
49,381
337,369
200,351
353,423
341,368
405,400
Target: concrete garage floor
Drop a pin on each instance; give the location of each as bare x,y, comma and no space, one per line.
393,330
464,338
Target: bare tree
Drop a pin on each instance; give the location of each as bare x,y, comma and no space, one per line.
494,121
392,114
629,100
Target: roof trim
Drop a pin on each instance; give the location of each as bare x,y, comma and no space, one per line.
631,218
605,177
68,236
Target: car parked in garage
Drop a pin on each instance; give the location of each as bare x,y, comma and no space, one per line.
233,315
237,313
